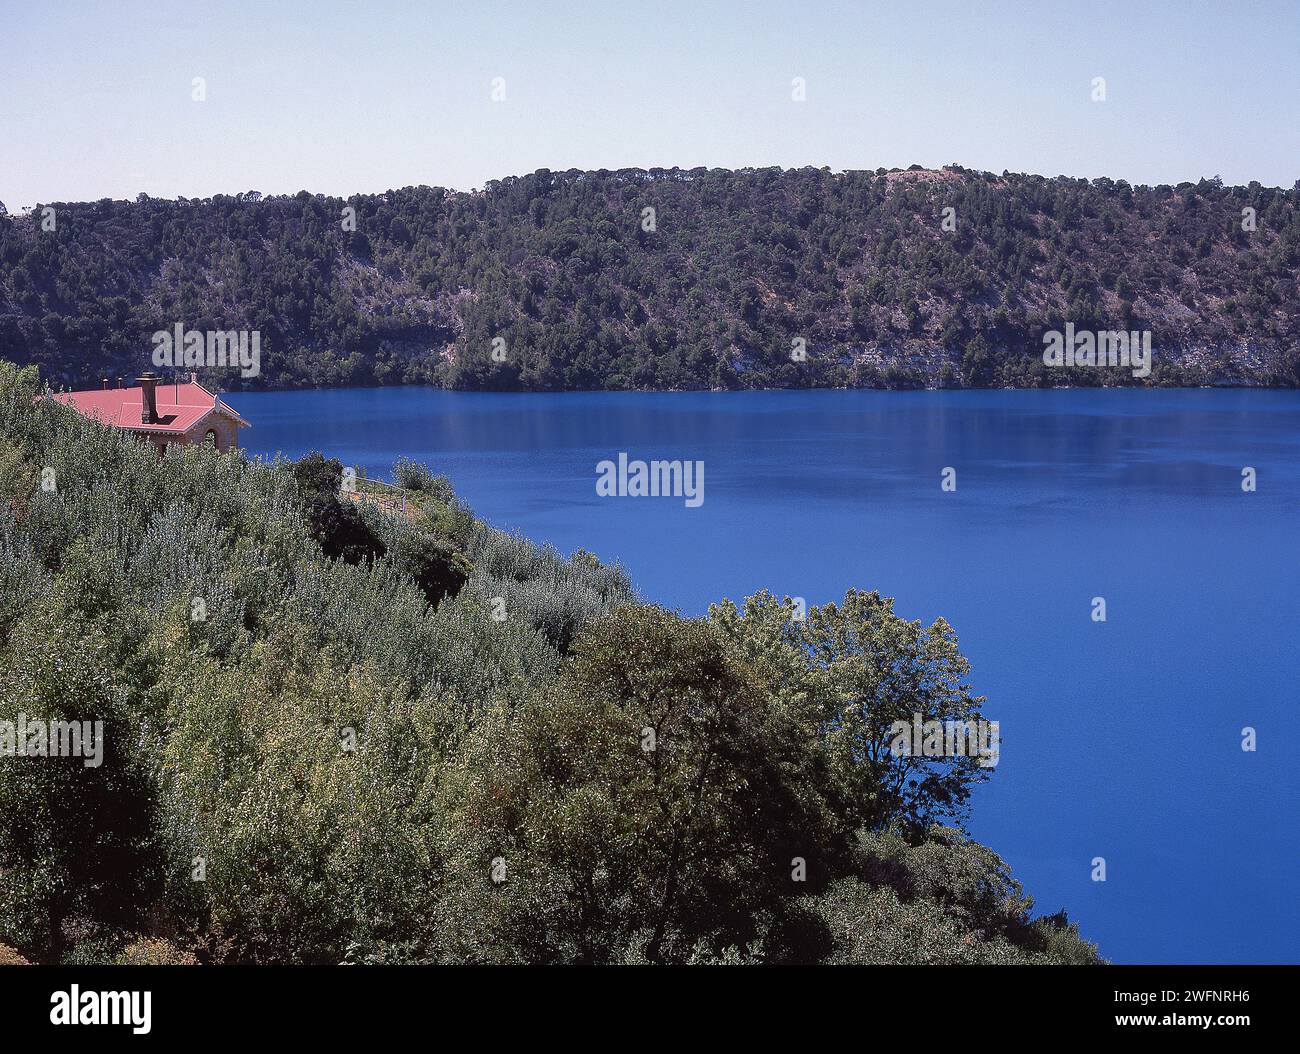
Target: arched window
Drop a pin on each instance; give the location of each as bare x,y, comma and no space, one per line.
211,438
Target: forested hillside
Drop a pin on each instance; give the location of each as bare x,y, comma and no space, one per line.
334,734
670,279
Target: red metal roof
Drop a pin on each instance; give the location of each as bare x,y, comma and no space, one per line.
180,406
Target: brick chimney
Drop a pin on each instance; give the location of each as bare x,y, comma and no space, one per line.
148,383
103,383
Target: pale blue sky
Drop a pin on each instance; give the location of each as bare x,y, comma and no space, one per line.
334,96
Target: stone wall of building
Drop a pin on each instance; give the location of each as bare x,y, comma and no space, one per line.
226,432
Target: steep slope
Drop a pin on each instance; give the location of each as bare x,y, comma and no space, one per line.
671,279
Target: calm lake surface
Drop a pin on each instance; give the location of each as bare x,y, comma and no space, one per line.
1120,739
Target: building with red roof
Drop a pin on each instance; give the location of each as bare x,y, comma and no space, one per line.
180,412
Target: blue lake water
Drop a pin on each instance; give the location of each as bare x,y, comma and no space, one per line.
1120,739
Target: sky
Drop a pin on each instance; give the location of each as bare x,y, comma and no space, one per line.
97,98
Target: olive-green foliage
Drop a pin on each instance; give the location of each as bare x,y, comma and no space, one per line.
657,789
414,476
76,840
942,900
538,584
436,566
340,526
155,953
303,788
183,601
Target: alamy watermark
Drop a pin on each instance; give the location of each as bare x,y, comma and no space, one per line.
653,479
1108,347
92,1007
182,348
28,738
922,738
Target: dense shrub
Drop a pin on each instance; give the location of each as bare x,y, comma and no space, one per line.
414,476
437,567
149,952
538,584
9,957
337,523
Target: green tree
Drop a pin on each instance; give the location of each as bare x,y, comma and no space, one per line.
879,669
76,840
438,567
860,668
656,792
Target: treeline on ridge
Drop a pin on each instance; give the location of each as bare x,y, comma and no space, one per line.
670,279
